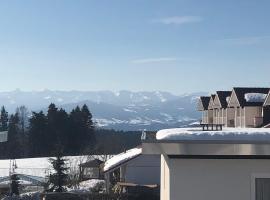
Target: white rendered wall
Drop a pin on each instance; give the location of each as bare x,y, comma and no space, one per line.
164,179
144,169
205,179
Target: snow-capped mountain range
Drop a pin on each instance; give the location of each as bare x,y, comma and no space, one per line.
124,110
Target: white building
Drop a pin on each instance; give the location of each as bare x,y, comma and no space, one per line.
134,168
209,165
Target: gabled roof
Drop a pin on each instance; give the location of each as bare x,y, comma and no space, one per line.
203,103
241,91
92,163
117,160
211,102
223,96
267,100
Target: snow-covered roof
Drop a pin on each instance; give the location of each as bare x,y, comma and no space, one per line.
255,97
121,158
226,134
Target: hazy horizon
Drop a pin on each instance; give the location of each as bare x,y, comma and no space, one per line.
113,91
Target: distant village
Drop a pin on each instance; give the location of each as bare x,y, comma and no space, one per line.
241,107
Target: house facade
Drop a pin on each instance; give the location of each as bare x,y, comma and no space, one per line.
220,107
202,106
211,113
247,105
241,107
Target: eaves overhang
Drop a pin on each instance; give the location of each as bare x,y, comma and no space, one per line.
208,148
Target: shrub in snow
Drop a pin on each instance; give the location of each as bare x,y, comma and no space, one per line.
98,188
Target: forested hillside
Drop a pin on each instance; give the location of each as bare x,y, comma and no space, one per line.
46,133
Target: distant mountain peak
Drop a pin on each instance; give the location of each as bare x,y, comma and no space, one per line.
125,109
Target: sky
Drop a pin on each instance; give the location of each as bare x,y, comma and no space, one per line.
179,46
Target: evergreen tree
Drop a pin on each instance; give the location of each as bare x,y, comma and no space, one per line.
58,179
74,131
14,185
87,117
81,130
14,137
38,139
3,119
88,126
57,125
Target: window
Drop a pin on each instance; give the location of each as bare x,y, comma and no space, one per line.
262,188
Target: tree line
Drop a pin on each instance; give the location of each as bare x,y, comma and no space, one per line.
42,134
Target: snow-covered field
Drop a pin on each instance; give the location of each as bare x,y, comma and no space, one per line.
40,166
225,134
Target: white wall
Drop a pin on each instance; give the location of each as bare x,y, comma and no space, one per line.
164,179
144,169
205,179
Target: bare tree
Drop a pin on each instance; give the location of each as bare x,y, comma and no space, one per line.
23,114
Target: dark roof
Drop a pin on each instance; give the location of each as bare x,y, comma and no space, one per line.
92,163
222,95
205,102
267,100
241,91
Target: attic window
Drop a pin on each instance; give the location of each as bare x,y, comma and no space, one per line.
255,97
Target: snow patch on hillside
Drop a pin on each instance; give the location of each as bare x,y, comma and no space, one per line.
129,110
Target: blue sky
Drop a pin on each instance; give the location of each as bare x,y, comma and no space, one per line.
176,45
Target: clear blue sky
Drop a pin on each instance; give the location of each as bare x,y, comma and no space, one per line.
176,45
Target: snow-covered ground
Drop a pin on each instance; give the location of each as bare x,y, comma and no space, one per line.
85,186
122,157
225,134
39,166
